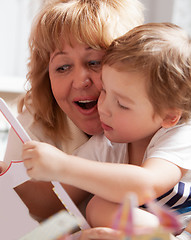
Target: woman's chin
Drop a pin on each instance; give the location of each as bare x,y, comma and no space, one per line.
93,129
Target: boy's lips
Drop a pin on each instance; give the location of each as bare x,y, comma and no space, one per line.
106,127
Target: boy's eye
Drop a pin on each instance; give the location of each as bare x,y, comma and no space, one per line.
122,106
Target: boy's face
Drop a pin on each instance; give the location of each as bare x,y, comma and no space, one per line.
125,111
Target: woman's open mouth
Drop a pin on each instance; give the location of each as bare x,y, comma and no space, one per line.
86,106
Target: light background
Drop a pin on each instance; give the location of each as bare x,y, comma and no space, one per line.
15,23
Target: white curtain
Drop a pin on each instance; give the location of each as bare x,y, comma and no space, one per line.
158,10
15,24
182,14
175,11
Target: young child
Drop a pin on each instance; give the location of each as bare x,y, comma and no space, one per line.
145,110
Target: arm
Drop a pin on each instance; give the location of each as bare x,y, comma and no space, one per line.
107,180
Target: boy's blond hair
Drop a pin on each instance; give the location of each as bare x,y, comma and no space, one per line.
93,22
162,51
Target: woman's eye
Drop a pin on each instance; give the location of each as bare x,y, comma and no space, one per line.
63,68
94,64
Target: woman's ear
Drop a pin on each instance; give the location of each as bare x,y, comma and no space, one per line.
171,118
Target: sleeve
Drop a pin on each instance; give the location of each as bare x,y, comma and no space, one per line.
173,145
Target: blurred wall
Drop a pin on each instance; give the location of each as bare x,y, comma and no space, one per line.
15,24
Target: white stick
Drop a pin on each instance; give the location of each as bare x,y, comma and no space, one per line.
70,206
15,124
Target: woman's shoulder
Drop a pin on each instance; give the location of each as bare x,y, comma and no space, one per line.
32,127
25,117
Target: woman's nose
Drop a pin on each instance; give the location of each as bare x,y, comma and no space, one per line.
82,79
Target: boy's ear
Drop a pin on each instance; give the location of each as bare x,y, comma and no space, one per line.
171,118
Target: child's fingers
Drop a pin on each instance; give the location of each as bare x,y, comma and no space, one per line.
28,164
30,145
27,154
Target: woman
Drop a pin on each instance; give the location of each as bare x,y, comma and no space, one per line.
67,43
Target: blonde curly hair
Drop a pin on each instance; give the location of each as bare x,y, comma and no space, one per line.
93,22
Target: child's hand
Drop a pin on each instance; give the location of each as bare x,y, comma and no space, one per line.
3,167
42,160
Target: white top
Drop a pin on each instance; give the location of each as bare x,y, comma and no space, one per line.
34,130
172,144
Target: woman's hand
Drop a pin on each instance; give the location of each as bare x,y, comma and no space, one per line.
100,233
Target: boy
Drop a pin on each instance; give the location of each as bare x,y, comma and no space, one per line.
145,108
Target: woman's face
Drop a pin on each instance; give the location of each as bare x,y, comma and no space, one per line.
75,76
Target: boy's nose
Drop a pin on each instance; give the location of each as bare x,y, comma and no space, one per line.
103,107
